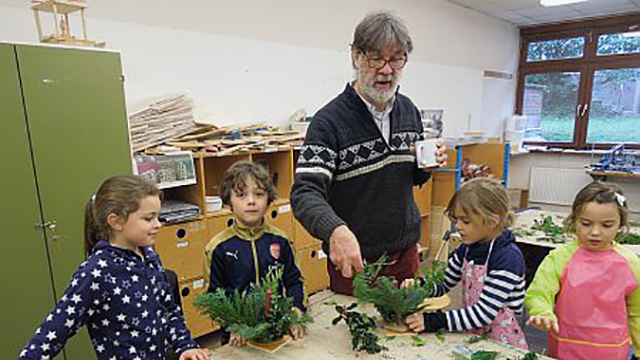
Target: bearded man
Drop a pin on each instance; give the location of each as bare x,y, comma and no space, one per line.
356,171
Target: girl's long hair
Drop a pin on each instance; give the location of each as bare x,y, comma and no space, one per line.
602,193
485,198
119,195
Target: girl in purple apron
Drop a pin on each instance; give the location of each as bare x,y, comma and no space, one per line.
586,291
488,264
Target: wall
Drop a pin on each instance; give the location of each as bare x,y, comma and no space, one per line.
254,60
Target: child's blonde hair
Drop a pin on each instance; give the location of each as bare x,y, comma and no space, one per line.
234,179
120,195
602,193
485,198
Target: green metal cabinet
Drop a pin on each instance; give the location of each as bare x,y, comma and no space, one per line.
63,130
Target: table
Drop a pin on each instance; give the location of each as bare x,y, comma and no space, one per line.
534,248
524,220
603,175
327,342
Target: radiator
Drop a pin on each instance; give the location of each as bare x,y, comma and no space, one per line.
556,186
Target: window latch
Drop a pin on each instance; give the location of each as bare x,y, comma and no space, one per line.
584,110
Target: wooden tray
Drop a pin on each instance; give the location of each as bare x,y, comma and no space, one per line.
437,303
272,346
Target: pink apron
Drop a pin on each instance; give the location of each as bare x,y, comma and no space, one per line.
505,327
591,307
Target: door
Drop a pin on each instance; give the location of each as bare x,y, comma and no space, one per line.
26,281
74,104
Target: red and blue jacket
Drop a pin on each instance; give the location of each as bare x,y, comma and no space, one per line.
238,257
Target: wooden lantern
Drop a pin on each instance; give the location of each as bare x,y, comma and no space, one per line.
61,10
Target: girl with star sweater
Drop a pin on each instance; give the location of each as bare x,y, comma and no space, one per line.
120,293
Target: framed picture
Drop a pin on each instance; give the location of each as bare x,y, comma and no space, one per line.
167,170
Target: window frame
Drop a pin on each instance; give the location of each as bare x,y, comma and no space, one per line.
587,65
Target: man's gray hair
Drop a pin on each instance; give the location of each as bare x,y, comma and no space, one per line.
379,29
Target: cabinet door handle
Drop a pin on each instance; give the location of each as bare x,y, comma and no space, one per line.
48,224
51,225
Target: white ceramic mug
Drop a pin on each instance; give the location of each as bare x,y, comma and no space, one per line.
426,153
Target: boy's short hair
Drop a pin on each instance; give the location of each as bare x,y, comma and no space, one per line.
234,177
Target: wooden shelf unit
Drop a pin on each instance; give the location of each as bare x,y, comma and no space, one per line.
448,179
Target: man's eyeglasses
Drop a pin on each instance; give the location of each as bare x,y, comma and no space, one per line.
377,63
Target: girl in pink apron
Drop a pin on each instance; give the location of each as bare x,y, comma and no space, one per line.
586,292
488,264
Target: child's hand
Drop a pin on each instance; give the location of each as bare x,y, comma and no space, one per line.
195,354
298,331
407,283
544,323
237,340
415,321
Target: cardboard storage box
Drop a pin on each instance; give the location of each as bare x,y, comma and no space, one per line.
280,215
302,239
181,248
197,323
313,265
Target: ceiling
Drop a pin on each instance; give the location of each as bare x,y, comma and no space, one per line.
530,12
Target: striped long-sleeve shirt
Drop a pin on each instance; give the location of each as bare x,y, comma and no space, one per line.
504,284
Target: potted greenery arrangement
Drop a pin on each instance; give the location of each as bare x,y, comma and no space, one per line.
263,315
392,301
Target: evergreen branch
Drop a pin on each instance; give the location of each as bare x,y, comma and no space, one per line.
392,302
262,314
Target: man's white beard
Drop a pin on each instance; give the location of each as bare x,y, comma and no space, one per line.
373,94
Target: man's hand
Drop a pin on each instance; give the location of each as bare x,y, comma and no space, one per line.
441,154
544,323
344,251
195,354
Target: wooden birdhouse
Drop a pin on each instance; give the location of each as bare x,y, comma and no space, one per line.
60,11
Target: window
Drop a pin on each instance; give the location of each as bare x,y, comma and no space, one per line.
550,103
615,106
556,49
621,43
579,83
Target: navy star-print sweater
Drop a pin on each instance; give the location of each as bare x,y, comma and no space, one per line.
126,303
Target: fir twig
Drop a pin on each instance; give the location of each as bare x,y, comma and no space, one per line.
394,303
262,314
